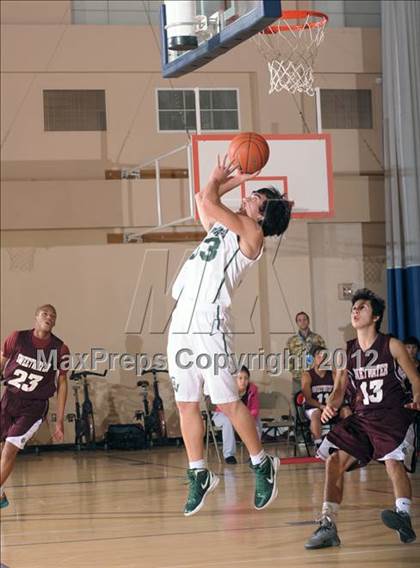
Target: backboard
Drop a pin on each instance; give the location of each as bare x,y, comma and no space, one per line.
300,165
194,32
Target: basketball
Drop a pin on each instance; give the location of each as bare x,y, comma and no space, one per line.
250,151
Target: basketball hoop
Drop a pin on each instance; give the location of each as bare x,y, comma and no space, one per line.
290,46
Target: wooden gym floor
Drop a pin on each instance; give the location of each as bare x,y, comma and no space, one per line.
124,509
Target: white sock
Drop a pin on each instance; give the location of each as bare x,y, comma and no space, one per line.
199,464
1,490
403,505
330,509
318,441
259,458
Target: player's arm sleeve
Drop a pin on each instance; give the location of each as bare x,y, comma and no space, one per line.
63,363
8,348
9,344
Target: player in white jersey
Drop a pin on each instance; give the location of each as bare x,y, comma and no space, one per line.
201,327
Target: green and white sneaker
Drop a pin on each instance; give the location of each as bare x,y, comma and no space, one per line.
325,535
3,501
202,482
266,481
400,522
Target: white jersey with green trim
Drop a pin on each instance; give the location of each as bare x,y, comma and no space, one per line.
213,271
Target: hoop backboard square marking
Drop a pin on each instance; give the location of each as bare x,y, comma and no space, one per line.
303,160
255,183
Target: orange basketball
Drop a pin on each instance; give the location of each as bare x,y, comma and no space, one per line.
250,151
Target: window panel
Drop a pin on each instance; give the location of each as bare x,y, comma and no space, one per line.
350,13
224,100
176,120
218,109
205,99
130,12
346,108
74,110
189,99
125,17
219,120
126,5
89,5
90,18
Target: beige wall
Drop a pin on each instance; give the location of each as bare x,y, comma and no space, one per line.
57,207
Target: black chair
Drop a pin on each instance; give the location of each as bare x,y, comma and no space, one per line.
302,423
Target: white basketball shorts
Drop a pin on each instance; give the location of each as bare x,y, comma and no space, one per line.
200,354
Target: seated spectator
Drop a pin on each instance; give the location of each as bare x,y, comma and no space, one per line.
317,385
412,344
248,393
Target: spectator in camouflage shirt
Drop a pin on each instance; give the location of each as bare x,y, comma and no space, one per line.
299,346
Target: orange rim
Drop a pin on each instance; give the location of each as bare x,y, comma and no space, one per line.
297,15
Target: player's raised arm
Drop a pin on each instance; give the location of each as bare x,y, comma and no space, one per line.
245,227
231,183
235,181
399,352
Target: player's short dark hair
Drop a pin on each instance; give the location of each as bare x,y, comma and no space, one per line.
377,303
276,210
316,349
245,369
50,306
412,340
302,314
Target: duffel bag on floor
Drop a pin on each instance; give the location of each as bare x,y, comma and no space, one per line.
125,437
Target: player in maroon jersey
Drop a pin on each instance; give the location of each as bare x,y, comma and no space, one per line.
30,362
381,426
317,385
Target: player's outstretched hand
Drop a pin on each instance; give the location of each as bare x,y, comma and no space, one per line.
415,405
223,170
58,435
328,413
240,177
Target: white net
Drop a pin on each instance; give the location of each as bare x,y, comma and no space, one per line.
290,49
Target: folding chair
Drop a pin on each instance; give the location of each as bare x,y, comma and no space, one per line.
302,424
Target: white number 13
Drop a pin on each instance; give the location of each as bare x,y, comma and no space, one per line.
21,376
376,393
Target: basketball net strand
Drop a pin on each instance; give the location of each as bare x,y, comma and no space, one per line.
290,55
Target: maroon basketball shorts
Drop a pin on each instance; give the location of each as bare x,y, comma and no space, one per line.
20,418
373,435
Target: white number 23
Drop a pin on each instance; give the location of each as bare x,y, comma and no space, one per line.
19,378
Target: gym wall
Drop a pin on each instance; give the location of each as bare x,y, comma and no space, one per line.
57,207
